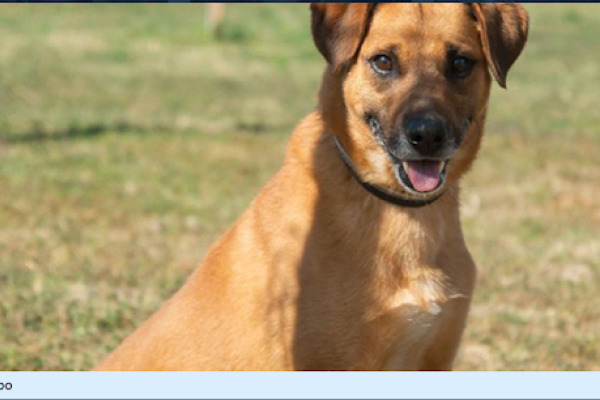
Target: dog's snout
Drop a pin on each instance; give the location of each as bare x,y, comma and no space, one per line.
426,133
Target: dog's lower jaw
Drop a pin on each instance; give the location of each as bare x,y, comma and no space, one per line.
387,196
403,174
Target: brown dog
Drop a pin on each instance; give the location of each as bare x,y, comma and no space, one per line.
352,257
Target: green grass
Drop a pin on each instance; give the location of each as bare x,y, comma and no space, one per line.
129,141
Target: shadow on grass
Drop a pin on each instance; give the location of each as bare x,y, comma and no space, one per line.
73,132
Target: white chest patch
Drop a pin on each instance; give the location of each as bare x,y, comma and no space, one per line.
424,296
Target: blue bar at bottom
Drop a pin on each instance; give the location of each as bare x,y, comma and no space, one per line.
300,385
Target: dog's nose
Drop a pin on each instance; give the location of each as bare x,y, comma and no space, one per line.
426,133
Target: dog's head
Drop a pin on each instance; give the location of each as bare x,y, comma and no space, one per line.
407,85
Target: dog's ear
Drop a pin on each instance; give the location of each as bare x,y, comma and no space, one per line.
338,29
503,29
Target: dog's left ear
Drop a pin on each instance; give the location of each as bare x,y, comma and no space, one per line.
338,29
503,28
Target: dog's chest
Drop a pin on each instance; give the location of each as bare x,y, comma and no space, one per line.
418,303
413,316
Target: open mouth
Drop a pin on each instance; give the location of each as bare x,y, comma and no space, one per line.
422,176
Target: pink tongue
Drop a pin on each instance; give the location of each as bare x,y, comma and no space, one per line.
424,175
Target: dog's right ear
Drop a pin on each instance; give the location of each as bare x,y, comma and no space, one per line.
339,29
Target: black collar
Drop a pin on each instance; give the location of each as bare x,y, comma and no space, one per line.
378,192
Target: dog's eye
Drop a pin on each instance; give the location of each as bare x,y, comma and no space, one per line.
382,64
461,67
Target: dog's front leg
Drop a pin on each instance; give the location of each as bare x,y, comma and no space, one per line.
441,353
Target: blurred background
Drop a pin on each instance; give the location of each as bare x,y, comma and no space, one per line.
131,137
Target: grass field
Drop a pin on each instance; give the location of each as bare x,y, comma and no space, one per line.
129,141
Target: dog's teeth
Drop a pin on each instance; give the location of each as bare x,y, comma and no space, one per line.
405,166
441,167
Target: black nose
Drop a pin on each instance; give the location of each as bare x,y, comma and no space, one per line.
426,133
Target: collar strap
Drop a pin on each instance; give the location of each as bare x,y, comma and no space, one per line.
380,193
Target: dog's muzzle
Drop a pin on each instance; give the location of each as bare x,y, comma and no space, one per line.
420,155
